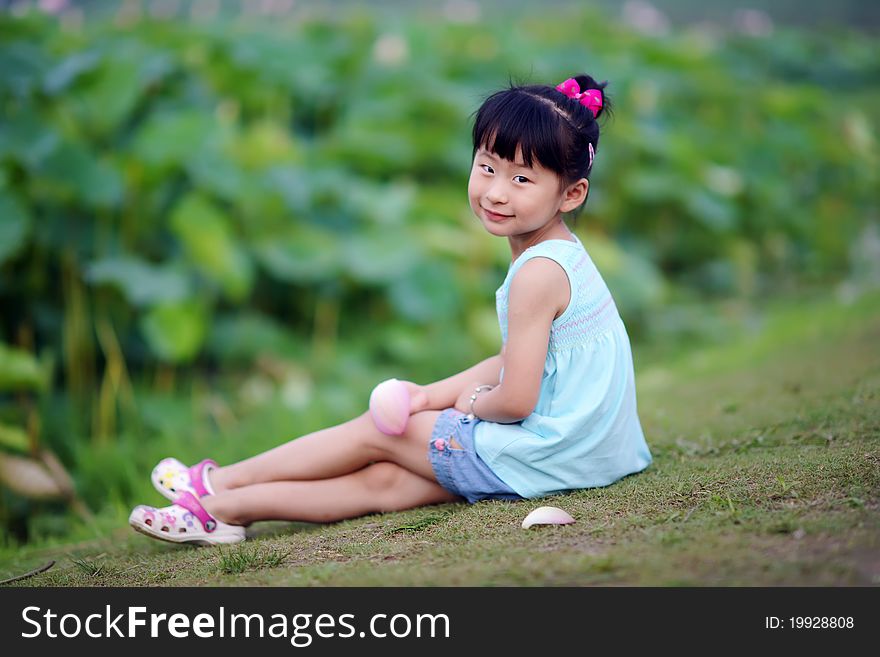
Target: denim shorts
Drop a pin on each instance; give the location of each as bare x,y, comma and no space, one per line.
459,469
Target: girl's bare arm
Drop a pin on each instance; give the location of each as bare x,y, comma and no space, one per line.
443,394
539,293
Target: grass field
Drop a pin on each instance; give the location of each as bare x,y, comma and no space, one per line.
766,472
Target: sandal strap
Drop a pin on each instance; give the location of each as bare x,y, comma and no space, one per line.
191,503
196,476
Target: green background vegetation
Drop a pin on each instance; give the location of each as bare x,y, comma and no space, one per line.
220,233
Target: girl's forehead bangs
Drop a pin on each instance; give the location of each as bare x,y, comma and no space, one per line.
528,125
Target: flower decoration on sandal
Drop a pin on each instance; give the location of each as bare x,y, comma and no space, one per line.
185,521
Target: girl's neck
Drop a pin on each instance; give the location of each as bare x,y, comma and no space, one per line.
553,230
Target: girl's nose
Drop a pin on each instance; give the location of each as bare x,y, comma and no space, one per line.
496,193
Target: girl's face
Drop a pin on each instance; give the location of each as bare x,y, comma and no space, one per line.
513,200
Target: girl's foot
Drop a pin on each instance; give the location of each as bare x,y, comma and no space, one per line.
185,521
171,478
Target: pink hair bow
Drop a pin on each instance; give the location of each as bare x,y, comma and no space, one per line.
591,98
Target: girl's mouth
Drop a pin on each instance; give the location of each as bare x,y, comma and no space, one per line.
494,216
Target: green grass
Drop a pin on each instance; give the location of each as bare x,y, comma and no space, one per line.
766,472
248,556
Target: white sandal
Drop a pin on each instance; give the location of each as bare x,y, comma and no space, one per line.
171,478
185,521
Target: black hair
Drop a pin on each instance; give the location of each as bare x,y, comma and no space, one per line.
548,126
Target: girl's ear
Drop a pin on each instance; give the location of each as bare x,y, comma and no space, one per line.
575,194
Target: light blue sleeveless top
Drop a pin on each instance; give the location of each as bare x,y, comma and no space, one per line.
585,429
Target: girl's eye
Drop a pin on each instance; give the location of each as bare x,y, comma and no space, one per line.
521,179
487,168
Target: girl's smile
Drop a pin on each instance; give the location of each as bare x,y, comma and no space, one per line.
495,216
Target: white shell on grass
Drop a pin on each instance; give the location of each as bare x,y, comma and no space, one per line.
547,515
389,407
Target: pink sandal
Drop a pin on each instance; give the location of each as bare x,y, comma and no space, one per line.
185,521
171,478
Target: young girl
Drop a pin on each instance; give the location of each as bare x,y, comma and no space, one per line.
554,411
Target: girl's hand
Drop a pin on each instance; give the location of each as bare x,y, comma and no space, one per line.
418,397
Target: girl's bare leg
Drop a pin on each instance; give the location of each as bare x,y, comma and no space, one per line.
334,452
376,488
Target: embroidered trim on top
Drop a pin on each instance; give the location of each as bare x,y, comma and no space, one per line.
593,310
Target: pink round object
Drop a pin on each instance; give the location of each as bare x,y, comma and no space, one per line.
389,407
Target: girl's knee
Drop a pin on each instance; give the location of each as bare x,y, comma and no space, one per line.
386,485
382,477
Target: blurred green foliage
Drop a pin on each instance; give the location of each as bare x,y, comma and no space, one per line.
286,203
